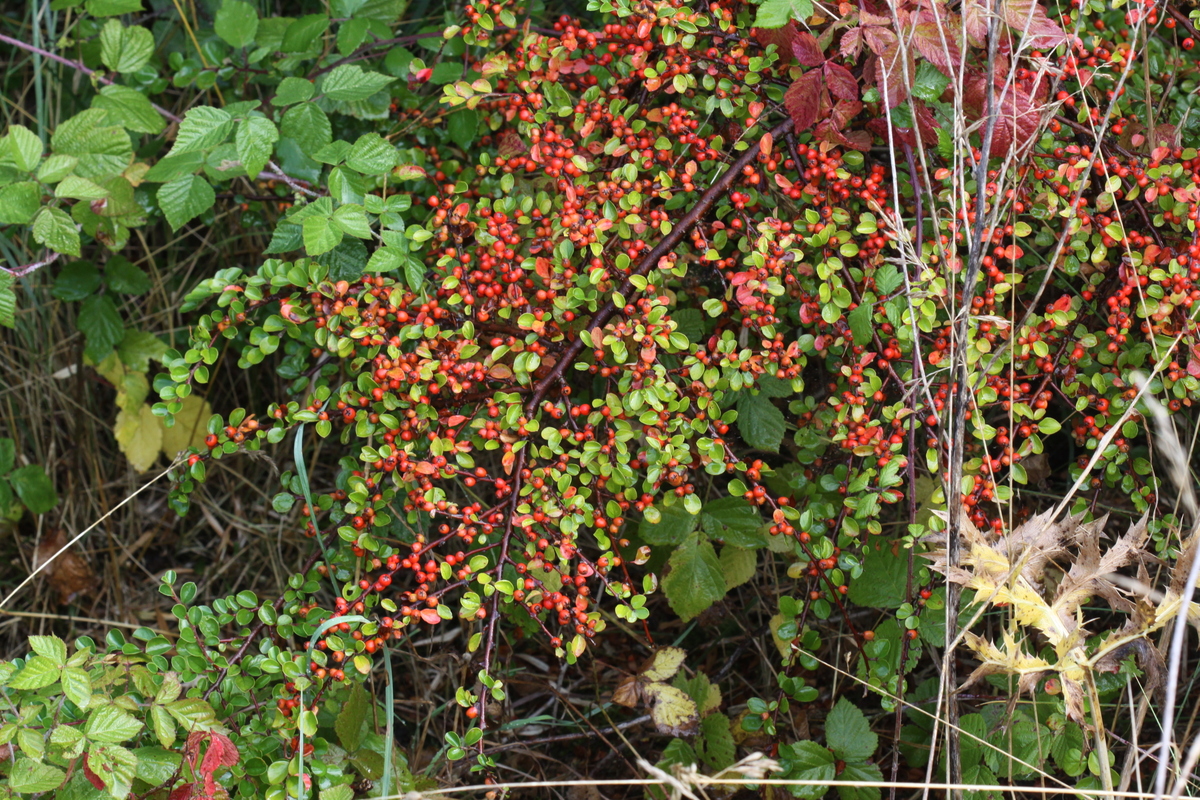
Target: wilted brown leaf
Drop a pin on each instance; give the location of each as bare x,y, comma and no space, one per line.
69,574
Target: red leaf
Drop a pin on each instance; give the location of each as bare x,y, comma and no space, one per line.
430,616
939,44
803,100
780,37
1016,113
1026,16
895,74
221,753
806,50
975,21
880,40
92,777
841,82
844,111
182,792
851,44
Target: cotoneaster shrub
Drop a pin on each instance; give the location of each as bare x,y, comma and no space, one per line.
597,311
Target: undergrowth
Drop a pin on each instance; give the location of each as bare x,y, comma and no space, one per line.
757,398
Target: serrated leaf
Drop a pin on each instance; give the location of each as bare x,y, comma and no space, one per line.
112,8
737,565
884,578
56,230
156,765
38,673
255,139
717,748
808,761
19,202
930,83
371,154
202,128
51,647
32,777
308,126
733,521
860,324
77,686
293,90
138,348
115,765
125,277
320,235
101,149
661,666
34,488
139,434
77,188
351,82
111,724
76,281
125,49
673,525
695,581
848,733
351,219
101,325
164,725
184,199
868,776
25,147
303,32
351,720
190,428
673,712
760,423
236,22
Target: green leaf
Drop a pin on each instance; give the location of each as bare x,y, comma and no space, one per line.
717,748
888,277
112,8
8,309
308,126
446,72
777,13
301,34
351,219
101,324
34,488
884,579
387,259
125,277
869,777
77,188
115,765
101,149
292,91
184,199
56,230
351,720
320,235
760,422
860,324
352,82
371,154
51,647
138,348
808,761
111,724
203,127
156,765
695,581
125,49
848,733
25,147
236,22
172,167
131,108
19,202
77,686
930,82
462,126
351,34
30,777
737,565
38,672
76,280
255,138
672,526
733,521
164,725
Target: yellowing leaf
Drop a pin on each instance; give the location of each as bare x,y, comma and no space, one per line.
663,664
673,712
190,426
140,435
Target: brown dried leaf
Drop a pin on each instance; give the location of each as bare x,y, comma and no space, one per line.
69,574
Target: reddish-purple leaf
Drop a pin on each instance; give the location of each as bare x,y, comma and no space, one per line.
939,44
1026,16
975,21
780,37
895,73
851,44
840,81
1017,116
803,100
879,39
806,50
844,111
